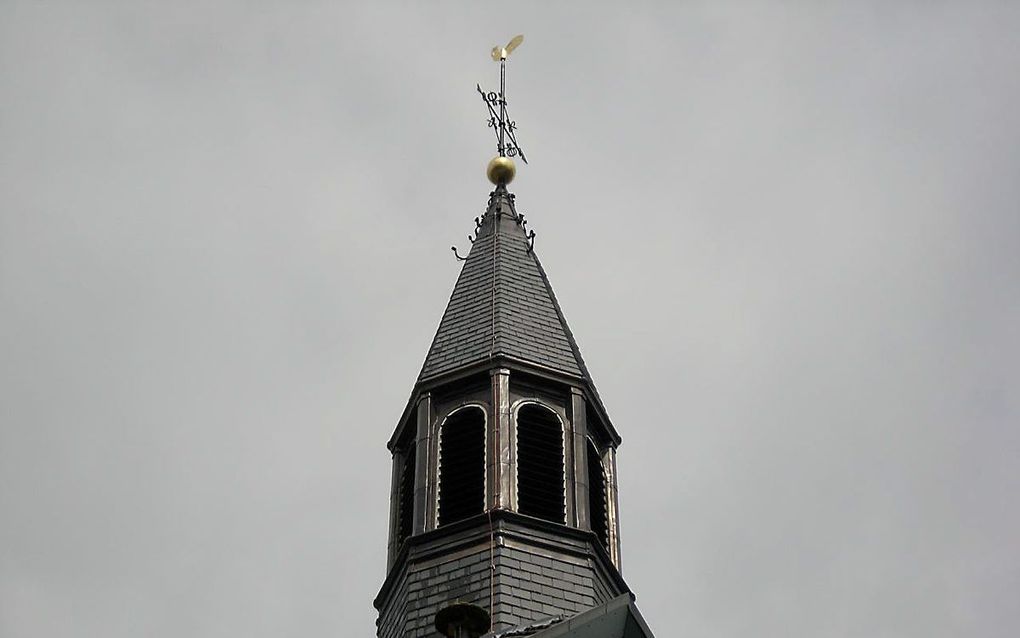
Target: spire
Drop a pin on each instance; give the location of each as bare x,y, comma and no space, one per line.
503,310
503,304
503,498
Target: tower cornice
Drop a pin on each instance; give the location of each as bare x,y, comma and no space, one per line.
515,365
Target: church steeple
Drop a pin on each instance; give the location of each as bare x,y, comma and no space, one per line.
504,491
504,476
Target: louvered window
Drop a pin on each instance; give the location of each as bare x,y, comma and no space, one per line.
540,464
462,465
597,505
405,504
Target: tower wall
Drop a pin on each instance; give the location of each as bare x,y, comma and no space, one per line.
522,570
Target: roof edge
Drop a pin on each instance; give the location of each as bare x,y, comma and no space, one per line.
550,627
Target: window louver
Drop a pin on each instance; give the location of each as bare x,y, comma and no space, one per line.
405,513
597,505
462,465
540,464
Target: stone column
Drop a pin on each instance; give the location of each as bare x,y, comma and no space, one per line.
501,466
423,468
613,509
577,472
391,547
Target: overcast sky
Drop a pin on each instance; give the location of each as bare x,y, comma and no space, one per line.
786,238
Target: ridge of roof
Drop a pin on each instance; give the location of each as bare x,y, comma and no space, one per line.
616,618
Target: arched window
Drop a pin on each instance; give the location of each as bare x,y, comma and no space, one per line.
462,465
597,501
405,496
540,463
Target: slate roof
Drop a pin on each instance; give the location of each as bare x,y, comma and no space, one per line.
503,304
618,618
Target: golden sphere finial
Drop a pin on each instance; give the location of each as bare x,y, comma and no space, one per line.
501,170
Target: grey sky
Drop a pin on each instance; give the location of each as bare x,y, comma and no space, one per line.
787,239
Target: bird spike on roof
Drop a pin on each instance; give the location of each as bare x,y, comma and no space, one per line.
502,303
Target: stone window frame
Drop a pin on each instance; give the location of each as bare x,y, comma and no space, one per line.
515,409
601,452
436,469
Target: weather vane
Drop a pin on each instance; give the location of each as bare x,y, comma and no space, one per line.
501,169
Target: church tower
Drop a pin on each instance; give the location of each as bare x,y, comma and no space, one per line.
504,489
